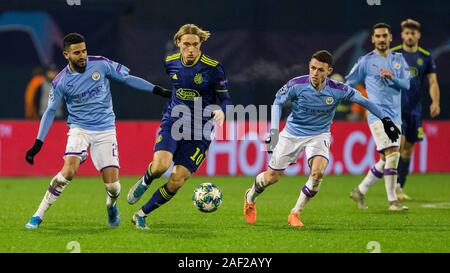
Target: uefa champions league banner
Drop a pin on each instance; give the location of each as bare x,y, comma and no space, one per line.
238,150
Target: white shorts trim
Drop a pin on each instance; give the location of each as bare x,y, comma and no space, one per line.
103,147
381,139
289,147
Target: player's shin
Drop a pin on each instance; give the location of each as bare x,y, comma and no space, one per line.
149,176
403,170
56,187
375,173
258,187
112,193
308,191
390,175
159,198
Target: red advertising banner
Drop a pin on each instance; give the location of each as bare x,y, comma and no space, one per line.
352,149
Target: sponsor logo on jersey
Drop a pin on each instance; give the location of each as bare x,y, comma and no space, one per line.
187,94
283,90
95,76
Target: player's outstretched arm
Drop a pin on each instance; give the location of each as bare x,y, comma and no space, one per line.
389,127
44,127
143,85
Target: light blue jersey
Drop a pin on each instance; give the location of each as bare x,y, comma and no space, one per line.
88,96
313,111
386,94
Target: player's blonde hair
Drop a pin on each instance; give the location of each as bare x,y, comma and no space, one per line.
191,29
410,23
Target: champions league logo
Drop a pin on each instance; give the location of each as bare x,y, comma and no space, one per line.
95,76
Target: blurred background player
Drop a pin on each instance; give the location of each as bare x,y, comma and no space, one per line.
194,76
84,85
385,74
314,100
37,92
422,67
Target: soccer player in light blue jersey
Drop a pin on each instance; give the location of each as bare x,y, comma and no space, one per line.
385,74
84,85
423,69
314,100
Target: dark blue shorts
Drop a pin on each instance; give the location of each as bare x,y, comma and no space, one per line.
412,128
187,153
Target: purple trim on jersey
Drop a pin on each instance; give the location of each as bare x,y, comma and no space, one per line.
391,171
308,192
59,77
53,191
97,58
336,85
376,172
350,95
118,67
114,166
298,80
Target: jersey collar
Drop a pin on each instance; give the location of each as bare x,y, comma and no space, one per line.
195,62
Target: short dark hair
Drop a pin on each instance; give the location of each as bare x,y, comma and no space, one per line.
381,25
410,23
72,38
323,56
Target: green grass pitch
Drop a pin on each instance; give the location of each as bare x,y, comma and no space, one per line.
332,221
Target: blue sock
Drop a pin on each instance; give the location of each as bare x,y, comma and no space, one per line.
159,198
403,170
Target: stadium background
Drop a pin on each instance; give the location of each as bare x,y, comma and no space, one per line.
261,44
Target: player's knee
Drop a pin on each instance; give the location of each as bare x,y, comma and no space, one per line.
272,177
69,172
159,167
406,154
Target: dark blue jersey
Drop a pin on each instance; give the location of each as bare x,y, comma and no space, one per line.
204,80
420,64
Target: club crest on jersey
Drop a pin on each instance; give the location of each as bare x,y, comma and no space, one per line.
198,79
396,65
329,100
420,61
95,76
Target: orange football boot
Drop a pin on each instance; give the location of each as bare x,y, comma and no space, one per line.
249,210
294,220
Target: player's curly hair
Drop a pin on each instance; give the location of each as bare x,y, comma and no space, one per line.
191,29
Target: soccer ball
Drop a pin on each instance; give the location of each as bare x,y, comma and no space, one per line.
207,197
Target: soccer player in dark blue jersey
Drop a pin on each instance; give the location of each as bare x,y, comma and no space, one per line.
422,68
196,79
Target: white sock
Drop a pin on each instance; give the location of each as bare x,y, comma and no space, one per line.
390,175
258,187
57,185
375,173
308,191
112,193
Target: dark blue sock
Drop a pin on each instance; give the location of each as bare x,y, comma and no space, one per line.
403,170
159,198
149,176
